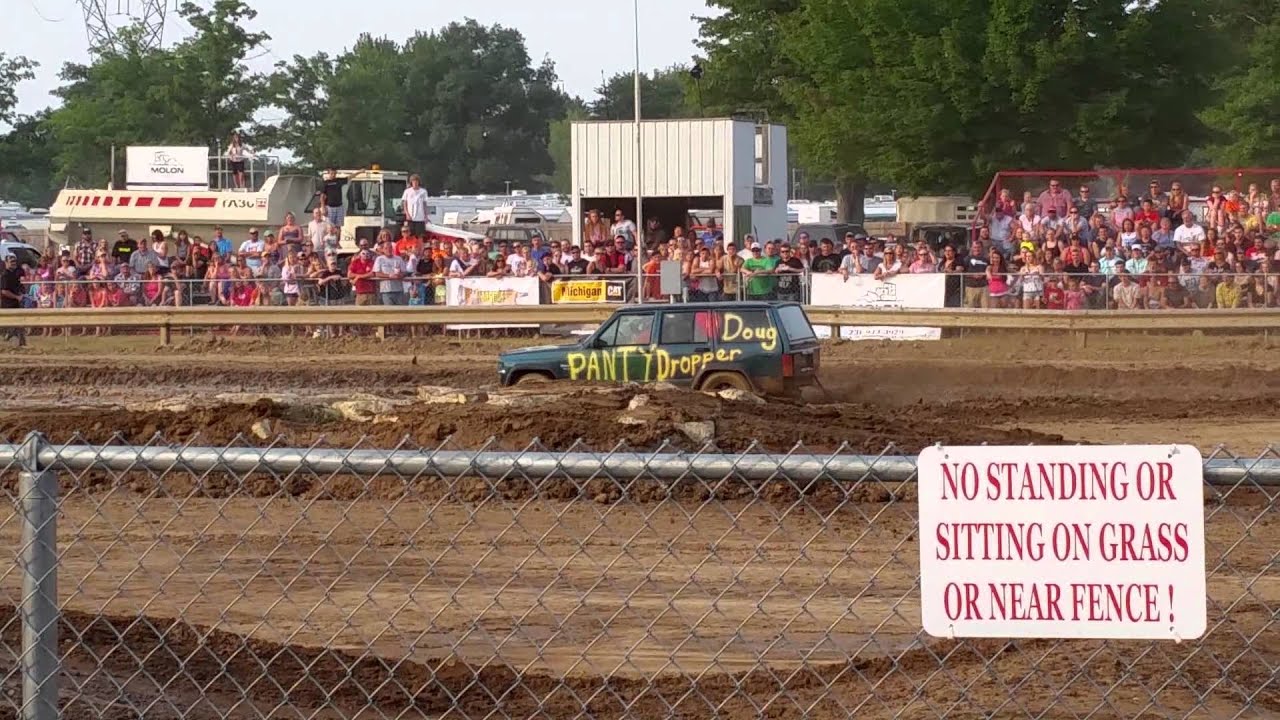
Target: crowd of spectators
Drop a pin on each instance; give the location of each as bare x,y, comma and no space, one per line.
1054,250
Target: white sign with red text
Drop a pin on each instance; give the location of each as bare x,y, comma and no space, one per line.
1062,542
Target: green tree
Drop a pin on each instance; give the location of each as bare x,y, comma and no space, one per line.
936,96
560,146
197,92
13,70
1245,121
27,173
464,106
664,95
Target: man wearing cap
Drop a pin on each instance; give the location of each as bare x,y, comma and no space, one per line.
141,258
361,274
84,250
251,251
1137,263
124,247
758,269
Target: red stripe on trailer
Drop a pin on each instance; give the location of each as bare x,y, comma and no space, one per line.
144,201
170,202
124,201
203,202
96,200
107,201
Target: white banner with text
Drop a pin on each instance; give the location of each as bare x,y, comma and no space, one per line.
926,291
171,168
490,292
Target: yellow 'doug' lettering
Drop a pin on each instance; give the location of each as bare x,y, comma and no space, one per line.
659,365
736,330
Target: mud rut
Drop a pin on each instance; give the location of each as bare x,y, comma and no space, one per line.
202,665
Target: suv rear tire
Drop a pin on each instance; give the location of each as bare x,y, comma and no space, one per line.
718,381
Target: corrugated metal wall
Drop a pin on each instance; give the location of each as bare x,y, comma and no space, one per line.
682,158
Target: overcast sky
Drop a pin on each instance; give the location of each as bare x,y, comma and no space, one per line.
583,37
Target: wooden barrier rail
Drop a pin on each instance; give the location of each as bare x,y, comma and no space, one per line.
1080,322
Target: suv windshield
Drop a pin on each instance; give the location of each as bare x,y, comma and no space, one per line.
795,323
394,191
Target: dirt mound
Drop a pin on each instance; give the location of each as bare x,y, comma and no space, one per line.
585,418
120,664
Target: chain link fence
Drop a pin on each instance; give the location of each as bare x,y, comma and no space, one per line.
183,581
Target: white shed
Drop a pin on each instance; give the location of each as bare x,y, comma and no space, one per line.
738,167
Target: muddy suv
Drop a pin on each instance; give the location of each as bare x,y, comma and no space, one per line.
765,347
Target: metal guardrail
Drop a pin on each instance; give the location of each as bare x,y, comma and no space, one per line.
164,319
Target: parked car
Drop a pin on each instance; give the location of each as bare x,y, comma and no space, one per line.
10,245
834,232
765,347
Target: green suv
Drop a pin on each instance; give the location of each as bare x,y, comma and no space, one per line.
766,347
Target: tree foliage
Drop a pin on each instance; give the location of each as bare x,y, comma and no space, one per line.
936,95
1245,122
195,93
27,172
13,70
664,95
465,105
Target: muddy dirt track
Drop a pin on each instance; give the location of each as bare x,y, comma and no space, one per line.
308,596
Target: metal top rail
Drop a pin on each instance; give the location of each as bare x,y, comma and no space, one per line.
661,465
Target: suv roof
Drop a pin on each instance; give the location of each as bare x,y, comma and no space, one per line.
739,305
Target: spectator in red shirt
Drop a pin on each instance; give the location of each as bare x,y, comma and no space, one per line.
1148,215
616,257
360,272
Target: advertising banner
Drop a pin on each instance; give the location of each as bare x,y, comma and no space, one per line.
1062,542
166,168
598,290
924,291
491,292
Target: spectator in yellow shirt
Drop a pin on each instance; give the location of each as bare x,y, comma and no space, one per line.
1228,293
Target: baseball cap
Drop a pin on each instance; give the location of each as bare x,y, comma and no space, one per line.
1136,246
755,246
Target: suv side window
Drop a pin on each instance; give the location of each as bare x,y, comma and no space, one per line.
684,328
747,327
629,330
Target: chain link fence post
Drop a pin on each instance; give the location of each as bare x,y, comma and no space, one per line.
38,508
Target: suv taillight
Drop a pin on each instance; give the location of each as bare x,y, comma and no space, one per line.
788,365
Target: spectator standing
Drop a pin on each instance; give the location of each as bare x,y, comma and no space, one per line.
123,247
272,288
84,249
221,245
790,272
595,231
890,266
576,264
711,235
318,230
624,228
237,152
11,296
1085,205
331,192
730,272
826,261
362,277
975,277
291,232
758,271
1055,198
538,253
389,269
654,234
415,205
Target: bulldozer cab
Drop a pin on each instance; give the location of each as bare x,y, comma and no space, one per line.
372,200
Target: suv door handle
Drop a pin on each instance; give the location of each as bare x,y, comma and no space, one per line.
702,349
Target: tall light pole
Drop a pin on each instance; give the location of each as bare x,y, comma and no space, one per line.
639,219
